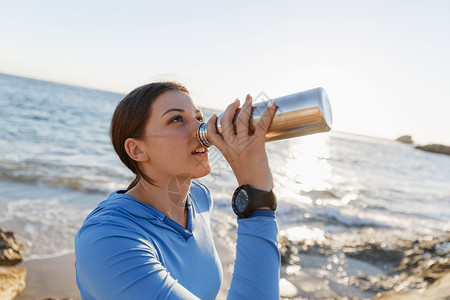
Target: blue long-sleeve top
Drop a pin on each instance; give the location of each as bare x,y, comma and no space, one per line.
126,249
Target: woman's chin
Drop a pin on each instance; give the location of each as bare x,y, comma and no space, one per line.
202,171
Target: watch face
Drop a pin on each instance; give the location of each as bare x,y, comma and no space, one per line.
241,201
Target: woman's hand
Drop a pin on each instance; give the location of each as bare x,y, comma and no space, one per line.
245,153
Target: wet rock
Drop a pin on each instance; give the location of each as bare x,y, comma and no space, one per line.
10,249
428,258
437,291
12,279
288,252
435,148
424,262
400,264
12,282
406,139
376,255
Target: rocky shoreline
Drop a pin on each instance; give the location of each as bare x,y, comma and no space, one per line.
407,266
12,278
332,267
434,148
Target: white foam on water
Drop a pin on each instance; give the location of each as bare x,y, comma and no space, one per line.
303,233
48,227
46,221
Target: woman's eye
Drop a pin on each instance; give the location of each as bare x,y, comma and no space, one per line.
180,119
176,119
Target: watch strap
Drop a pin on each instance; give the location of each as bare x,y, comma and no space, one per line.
262,198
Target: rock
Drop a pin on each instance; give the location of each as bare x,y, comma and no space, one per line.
438,290
12,282
412,265
10,249
428,258
376,255
435,148
406,139
287,289
12,279
286,251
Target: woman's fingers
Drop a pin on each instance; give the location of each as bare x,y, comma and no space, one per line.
234,145
266,120
227,119
243,119
244,152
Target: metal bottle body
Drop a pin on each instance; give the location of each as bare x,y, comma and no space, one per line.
298,114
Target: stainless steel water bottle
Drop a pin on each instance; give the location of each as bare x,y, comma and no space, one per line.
298,114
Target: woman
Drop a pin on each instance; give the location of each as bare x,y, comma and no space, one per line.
153,240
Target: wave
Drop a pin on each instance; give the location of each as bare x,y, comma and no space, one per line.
335,216
73,183
49,227
321,194
48,256
75,177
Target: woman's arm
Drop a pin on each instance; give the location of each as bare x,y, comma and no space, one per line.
256,269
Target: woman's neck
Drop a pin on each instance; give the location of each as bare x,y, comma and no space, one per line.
169,197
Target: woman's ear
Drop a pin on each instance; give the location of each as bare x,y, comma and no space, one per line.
135,149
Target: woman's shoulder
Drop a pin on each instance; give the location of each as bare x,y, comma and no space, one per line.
119,216
122,208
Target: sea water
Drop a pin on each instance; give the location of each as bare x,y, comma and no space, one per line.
336,191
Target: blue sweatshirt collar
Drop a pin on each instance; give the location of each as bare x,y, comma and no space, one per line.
143,210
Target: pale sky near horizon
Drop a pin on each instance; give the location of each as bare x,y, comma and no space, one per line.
385,64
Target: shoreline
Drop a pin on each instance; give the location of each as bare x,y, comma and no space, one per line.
310,269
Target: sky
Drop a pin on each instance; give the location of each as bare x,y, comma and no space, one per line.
385,64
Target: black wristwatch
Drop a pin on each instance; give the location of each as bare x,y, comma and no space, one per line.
246,199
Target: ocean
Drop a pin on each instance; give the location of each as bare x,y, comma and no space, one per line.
351,208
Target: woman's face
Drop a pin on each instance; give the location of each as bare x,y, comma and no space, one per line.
171,141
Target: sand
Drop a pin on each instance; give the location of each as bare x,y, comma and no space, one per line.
50,278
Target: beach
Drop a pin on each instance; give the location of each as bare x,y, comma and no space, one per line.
50,278
358,216
425,264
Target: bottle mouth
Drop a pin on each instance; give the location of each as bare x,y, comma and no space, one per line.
326,107
202,135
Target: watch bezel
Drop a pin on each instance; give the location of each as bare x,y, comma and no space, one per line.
246,212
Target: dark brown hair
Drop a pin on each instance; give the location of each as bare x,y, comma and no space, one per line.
129,121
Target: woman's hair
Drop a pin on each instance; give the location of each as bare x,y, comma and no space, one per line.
130,117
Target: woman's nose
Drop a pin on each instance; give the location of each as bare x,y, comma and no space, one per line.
197,124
